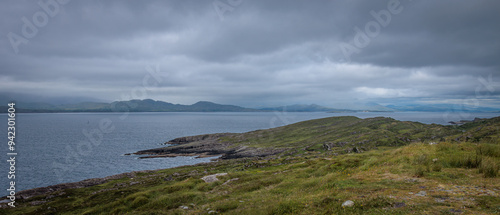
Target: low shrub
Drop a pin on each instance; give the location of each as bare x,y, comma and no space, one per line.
489,168
419,171
487,149
436,167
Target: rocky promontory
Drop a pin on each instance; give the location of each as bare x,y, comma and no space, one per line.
207,145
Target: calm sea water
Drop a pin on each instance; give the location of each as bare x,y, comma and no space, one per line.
67,147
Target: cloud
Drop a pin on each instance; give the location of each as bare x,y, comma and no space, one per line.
386,93
263,53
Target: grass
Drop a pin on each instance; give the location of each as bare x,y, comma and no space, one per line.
456,176
347,131
376,181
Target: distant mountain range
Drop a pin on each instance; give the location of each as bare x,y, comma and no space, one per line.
149,105
146,105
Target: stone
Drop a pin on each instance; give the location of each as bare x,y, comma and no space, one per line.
184,207
399,204
193,173
439,200
228,181
38,202
212,178
421,193
348,203
411,180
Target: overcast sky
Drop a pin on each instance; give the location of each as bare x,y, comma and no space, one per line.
254,53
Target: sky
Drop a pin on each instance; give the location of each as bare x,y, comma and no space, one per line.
253,53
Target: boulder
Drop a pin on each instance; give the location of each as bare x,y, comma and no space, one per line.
212,178
348,203
421,193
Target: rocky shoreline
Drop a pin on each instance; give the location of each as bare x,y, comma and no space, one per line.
201,146
207,145
58,189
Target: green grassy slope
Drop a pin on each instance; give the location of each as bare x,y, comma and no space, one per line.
401,174
343,132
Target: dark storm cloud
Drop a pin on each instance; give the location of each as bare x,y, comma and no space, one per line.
438,33
263,52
